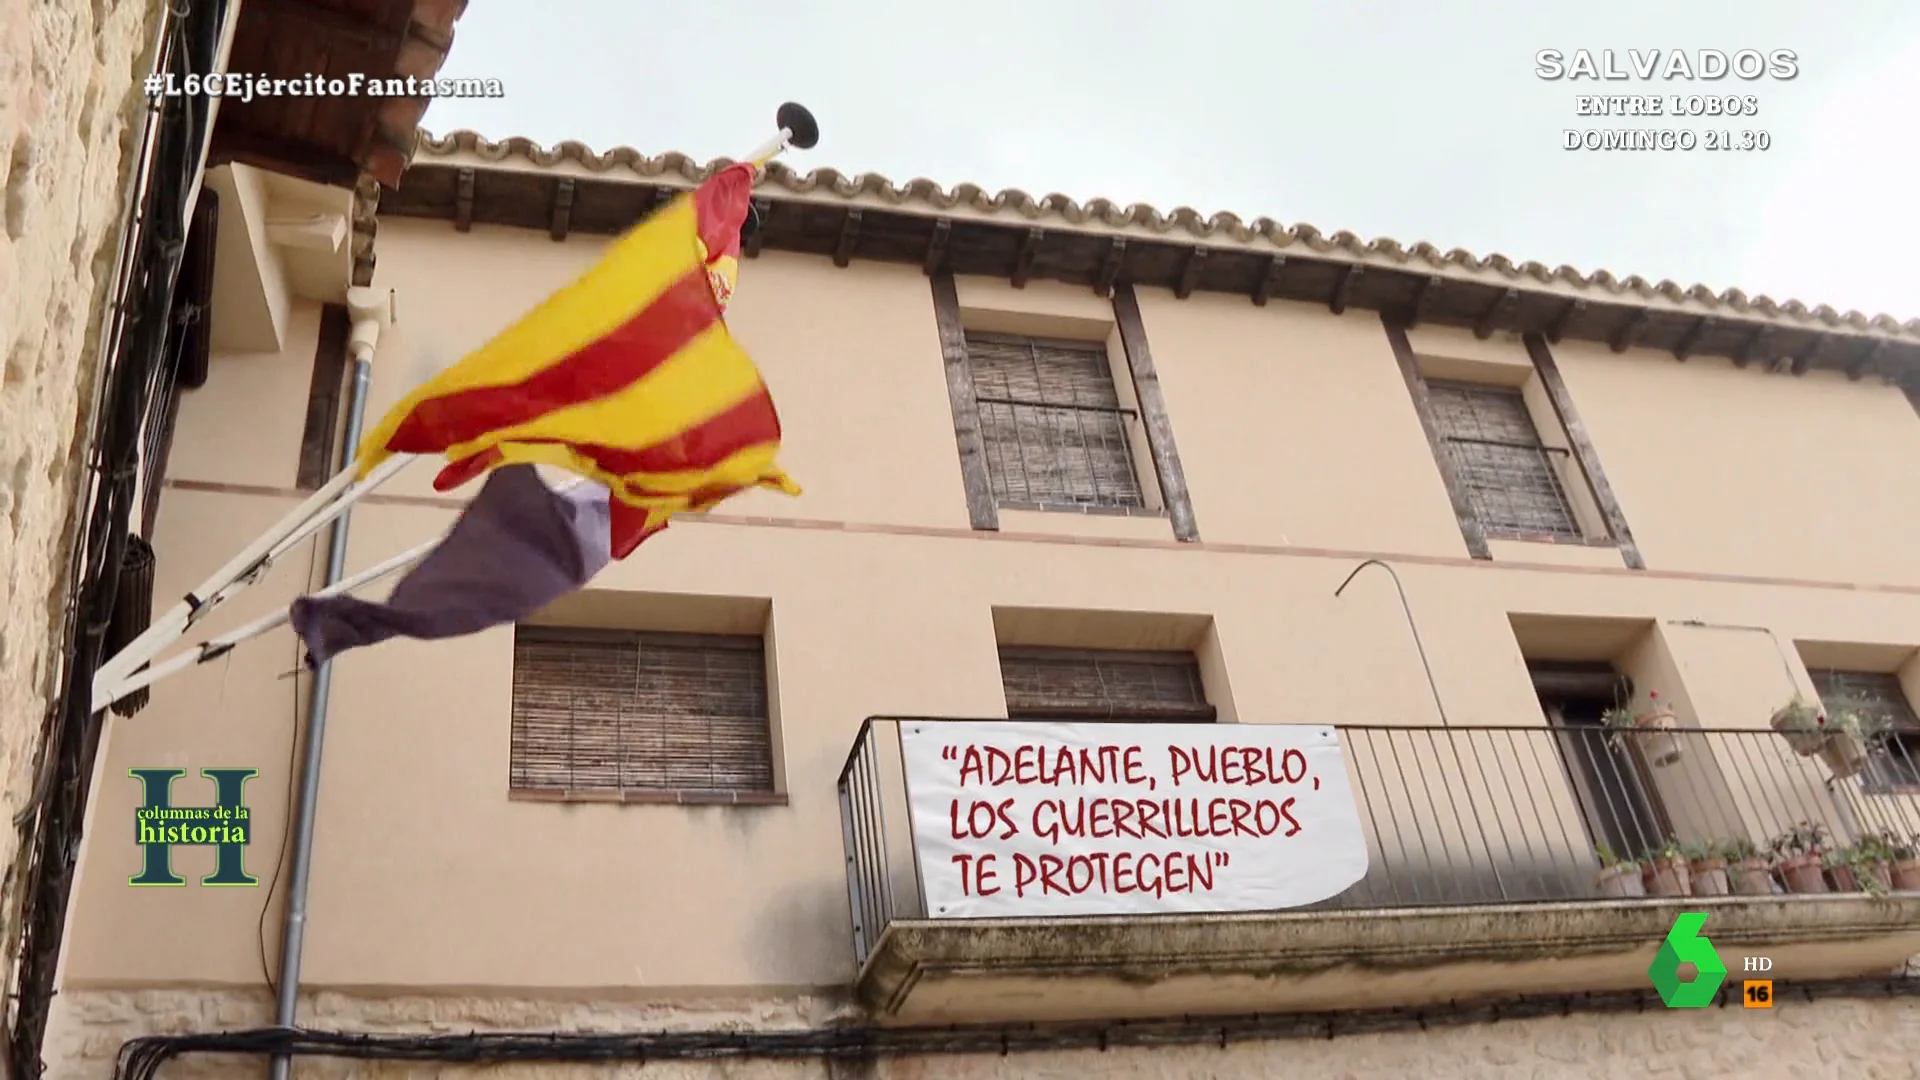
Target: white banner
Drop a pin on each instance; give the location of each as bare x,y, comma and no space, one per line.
1019,818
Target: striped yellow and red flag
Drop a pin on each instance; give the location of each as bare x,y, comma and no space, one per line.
627,377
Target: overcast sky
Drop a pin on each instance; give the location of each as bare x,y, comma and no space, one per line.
1412,119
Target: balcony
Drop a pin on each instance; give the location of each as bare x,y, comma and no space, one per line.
1481,880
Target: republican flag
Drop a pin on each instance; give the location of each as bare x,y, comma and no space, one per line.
627,377
518,547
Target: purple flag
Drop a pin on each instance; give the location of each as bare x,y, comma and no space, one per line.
519,546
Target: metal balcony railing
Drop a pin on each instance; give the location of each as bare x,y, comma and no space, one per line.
1525,814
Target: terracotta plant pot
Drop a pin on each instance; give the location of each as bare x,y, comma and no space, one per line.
1802,874
1668,877
1906,875
1804,743
1752,877
1841,879
1620,882
1656,737
1843,754
1879,872
1710,877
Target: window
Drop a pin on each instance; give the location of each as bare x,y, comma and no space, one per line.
1510,482
1893,750
1099,684
598,711
1055,433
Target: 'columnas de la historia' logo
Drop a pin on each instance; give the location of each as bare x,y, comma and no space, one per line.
159,826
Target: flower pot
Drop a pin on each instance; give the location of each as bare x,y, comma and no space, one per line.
1805,743
1710,877
1668,877
1620,882
1802,874
1751,877
1876,873
1906,875
1656,737
1840,878
1843,754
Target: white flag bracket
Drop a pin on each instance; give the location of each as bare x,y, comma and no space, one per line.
335,497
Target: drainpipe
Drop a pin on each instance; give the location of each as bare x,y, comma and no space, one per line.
370,312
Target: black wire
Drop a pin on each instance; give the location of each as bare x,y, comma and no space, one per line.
140,1058
293,764
136,345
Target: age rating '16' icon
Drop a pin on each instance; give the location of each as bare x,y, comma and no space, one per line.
1686,945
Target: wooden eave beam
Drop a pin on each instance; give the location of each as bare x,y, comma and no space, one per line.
1023,262
1558,331
935,259
463,201
560,218
1690,341
1629,335
1190,273
1497,312
849,238
1343,293
1425,295
1109,273
1269,282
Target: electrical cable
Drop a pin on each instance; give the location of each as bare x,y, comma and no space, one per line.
134,346
293,770
140,1058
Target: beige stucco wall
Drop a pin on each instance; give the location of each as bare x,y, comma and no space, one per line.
1303,454
69,111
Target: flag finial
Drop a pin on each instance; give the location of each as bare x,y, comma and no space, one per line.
803,130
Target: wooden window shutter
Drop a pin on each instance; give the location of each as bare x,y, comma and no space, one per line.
1098,684
1510,481
623,711
1050,417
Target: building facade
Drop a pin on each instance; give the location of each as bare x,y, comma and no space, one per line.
1069,462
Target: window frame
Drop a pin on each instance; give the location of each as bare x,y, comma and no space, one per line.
523,784
1042,353
1883,774
1199,711
1570,529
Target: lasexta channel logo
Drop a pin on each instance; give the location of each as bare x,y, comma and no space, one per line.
1685,944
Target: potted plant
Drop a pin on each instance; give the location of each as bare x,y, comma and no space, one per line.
1666,871
1653,728
1748,871
1872,862
1838,864
1797,854
1905,871
1802,725
1708,869
1619,877
1849,730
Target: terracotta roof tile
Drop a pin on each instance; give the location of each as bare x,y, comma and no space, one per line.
1102,215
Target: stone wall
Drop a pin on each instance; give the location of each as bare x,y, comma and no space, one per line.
70,124
1830,1038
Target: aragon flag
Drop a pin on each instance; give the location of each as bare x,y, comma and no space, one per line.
628,377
